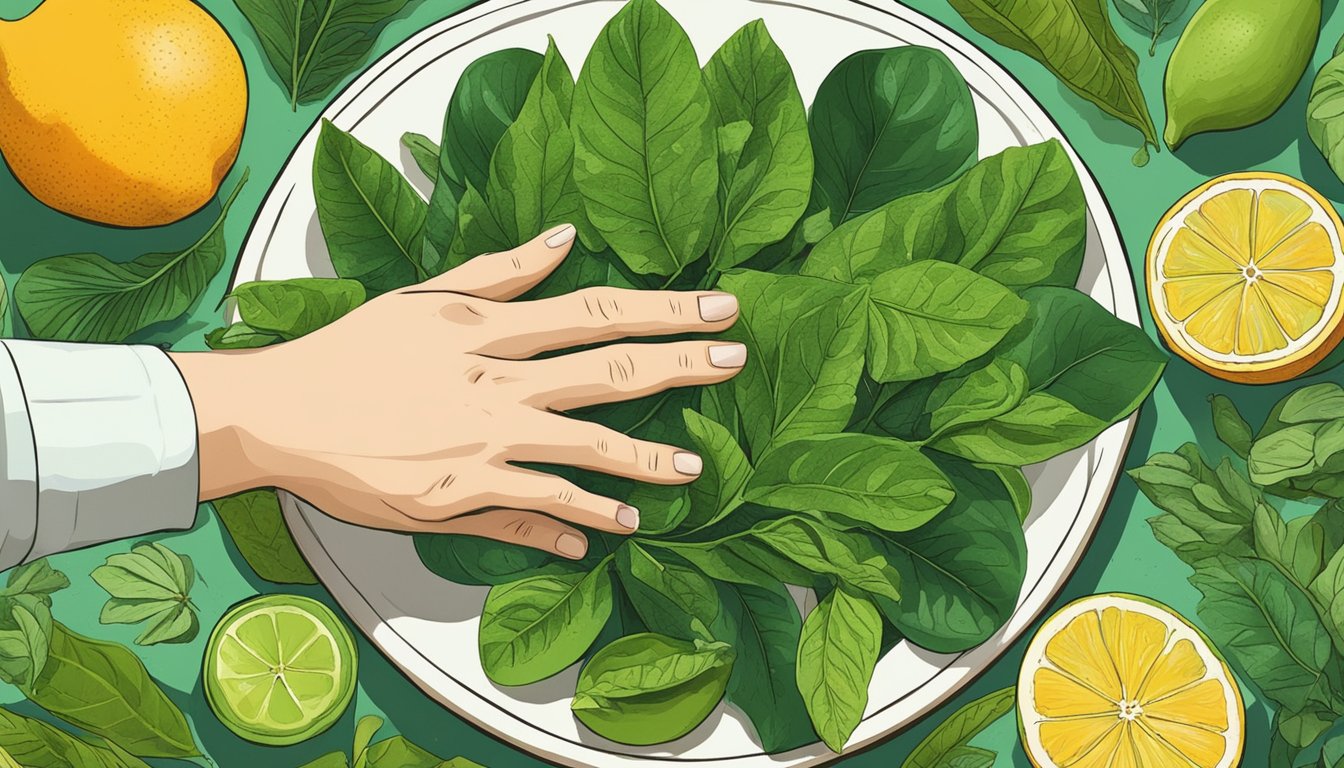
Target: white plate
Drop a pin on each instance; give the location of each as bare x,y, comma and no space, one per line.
427,626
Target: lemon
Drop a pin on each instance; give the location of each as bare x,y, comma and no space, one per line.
279,669
124,112
1118,681
1244,277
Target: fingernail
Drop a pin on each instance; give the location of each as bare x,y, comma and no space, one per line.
717,306
687,463
570,545
627,516
560,236
728,355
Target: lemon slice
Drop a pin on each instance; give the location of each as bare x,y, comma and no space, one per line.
1118,681
1244,277
279,669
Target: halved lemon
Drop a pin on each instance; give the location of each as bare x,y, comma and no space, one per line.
1244,277
1119,681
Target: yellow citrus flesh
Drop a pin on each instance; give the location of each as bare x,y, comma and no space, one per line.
1244,277
1115,681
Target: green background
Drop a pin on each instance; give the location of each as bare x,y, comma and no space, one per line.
1123,556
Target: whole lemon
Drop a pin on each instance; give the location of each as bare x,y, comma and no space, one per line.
124,112
1236,63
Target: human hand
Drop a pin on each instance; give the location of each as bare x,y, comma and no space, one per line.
411,412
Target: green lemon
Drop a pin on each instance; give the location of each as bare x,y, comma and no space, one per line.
1236,63
279,669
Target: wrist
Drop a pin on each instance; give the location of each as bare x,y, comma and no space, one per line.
231,455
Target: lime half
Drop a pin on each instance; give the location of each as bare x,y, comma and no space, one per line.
279,669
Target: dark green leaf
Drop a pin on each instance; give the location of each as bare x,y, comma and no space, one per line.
959,728
535,627
980,396
670,597
645,149
293,308
837,653
717,492
257,526
1152,17
847,556
877,482
314,44
476,561
765,184
370,214
85,297
1228,423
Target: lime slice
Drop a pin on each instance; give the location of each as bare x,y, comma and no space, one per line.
279,669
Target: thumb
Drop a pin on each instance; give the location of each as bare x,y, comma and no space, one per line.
507,274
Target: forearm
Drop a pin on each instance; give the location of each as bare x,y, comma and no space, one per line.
223,388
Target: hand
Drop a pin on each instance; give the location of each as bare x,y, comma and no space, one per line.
411,412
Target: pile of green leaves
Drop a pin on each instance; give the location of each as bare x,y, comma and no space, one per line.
914,334
1273,587
394,752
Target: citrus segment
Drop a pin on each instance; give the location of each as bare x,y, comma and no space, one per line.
279,669
1245,275
1117,681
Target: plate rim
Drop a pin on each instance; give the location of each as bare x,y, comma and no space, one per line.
1125,296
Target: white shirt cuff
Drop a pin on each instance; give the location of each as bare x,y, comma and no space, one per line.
113,434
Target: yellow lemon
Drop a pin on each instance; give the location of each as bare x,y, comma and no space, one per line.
1119,681
1244,277
125,112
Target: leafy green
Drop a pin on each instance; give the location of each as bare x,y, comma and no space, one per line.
646,157
944,744
846,556
257,526
293,308
765,175
670,597
239,336
1208,512
152,584
5,324
886,123
371,216
483,562
1230,427
31,743
837,654
1152,17
85,297
1325,108
534,627
394,752
1300,450
718,490
314,44
1073,39
424,153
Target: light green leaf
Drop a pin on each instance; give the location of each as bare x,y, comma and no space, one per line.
257,526
151,583
85,297
424,152
35,578
847,556
1325,111
837,653
951,736
645,150
293,308
535,627
240,336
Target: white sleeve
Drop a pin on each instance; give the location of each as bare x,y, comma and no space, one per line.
98,443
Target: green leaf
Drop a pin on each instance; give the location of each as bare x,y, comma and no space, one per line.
257,526
847,556
371,216
1325,108
5,326
960,573
103,688
535,627
25,641
1152,17
804,338
671,598
424,152
487,99
982,395
938,749
398,752
477,561
971,757
1300,450
1073,39
1208,513
1086,370
1017,217
329,760
717,492
150,583
32,743
877,482
314,44
85,297
649,689
367,727
36,578
929,317
293,308
240,336
887,123
763,626
764,186
645,150
1228,423
837,654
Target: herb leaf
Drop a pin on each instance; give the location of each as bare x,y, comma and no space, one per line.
313,44
1152,17
938,749
645,150
370,214
717,492
764,186
1325,110
28,741
424,153
257,526
150,583
293,308
85,297
846,556
537,626
837,653
670,598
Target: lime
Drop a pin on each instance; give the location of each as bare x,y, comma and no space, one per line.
279,669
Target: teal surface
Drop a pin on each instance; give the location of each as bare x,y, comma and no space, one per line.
1123,557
